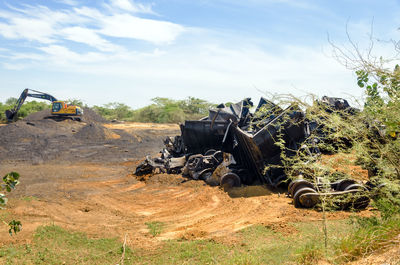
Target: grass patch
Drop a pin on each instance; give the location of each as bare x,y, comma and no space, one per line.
189,252
54,245
370,234
254,245
29,198
155,228
310,253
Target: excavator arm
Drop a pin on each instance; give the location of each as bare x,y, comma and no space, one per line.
10,114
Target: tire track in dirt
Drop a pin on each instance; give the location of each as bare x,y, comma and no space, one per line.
116,204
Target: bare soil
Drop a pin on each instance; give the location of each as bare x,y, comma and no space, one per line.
78,175
105,199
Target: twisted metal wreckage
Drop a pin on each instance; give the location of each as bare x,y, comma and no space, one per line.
233,147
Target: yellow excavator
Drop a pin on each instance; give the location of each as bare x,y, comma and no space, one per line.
58,108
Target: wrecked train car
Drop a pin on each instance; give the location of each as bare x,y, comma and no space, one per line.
233,146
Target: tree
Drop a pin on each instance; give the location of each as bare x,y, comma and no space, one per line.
377,144
380,78
11,101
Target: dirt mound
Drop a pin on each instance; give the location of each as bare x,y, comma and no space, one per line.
91,132
89,116
37,116
36,140
170,179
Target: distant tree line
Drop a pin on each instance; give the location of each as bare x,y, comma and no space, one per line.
161,110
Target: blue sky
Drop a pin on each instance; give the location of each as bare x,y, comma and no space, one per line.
131,51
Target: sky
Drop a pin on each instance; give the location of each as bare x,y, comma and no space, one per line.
103,51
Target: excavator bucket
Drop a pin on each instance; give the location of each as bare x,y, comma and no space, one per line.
10,115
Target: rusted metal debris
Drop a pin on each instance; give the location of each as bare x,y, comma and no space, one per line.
234,147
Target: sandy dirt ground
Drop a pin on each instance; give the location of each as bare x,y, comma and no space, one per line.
102,198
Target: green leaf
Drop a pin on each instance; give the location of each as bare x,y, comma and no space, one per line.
15,226
11,180
3,200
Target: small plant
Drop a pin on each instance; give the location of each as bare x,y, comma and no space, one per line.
155,228
29,198
10,180
15,226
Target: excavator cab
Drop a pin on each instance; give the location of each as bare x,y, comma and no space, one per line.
56,107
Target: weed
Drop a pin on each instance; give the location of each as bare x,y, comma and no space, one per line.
155,228
29,198
371,234
311,253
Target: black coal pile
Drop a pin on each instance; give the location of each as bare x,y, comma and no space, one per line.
91,132
90,115
38,116
40,137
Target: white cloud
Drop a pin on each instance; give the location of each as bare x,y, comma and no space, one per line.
92,13
299,4
128,26
27,28
83,24
68,2
60,55
13,66
89,37
27,56
129,5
